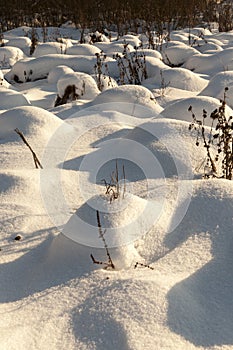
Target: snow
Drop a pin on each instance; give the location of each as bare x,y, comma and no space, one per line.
56,73
85,85
177,53
11,98
9,56
83,49
127,98
114,48
22,43
49,48
126,152
3,82
217,85
31,69
179,109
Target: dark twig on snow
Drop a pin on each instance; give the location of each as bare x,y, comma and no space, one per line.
101,235
143,265
35,158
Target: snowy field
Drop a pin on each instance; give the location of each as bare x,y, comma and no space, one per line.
119,167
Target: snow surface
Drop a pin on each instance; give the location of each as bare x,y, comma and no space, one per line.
9,56
162,217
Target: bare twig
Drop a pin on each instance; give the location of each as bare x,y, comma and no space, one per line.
114,187
101,235
98,262
143,265
36,160
124,190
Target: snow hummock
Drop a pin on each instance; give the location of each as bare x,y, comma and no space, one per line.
217,85
49,48
56,73
10,98
85,85
34,122
123,219
31,69
9,55
130,94
179,110
83,49
177,53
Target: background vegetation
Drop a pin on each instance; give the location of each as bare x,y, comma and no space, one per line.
123,16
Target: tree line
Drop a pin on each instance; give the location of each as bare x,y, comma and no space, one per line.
123,16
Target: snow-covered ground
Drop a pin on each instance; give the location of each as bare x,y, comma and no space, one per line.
168,231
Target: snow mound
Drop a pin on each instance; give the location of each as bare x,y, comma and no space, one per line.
49,48
83,49
114,48
179,109
85,85
33,122
217,85
124,220
39,68
177,54
154,67
56,73
184,79
150,53
211,47
129,39
179,78
22,43
11,98
197,31
178,37
128,94
211,63
62,249
9,56
171,145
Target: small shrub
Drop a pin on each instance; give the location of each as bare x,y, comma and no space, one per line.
34,40
218,141
132,66
101,71
113,189
164,84
71,93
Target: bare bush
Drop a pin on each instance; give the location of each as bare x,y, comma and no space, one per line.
217,141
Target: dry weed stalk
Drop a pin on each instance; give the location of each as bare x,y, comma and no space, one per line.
35,158
113,189
218,141
101,235
143,265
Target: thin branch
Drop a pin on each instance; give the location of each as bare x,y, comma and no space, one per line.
101,234
143,265
124,190
98,262
36,160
